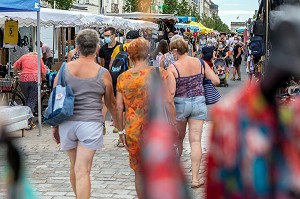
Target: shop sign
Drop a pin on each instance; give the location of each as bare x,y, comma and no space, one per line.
11,32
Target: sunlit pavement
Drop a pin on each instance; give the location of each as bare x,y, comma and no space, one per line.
47,167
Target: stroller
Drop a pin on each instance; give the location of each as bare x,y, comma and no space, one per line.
221,70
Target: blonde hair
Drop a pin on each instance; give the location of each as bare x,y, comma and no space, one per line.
180,45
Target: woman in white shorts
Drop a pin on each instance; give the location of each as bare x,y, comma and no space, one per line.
82,135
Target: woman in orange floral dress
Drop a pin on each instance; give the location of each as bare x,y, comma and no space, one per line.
132,91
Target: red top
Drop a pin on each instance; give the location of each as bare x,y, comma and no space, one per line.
28,64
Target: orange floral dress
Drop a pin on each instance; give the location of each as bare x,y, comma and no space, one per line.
134,88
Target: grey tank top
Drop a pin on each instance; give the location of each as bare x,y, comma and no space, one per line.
88,94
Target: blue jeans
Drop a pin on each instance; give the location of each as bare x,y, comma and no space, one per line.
193,107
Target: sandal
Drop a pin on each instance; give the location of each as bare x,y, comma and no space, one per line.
239,79
197,183
104,130
119,144
115,130
232,79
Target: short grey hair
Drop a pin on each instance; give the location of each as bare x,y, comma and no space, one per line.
175,37
87,42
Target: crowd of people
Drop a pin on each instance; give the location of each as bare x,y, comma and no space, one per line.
93,86
90,72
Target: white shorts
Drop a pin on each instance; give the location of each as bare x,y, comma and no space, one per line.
87,134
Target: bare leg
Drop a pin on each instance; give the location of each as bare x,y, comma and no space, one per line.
139,184
234,72
104,110
72,156
239,71
195,133
83,164
181,127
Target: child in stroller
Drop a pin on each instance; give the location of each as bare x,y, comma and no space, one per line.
221,70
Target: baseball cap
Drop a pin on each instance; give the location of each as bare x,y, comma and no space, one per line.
132,34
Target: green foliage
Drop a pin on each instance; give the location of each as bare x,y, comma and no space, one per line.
183,8
194,13
170,7
137,5
131,6
61,4
215,23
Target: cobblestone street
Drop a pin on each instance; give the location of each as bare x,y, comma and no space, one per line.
47,167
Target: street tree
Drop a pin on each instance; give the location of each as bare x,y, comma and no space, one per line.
215,23
137,5
194,13
61,4
183,8
170,6
131,6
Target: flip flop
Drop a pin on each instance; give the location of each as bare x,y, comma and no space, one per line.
232,79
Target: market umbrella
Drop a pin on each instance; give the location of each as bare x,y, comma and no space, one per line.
241,29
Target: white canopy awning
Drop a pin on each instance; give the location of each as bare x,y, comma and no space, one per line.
140,24
142,15
67,18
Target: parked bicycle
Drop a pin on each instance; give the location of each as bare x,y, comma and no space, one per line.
10,92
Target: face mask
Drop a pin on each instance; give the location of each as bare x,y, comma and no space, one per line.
107,40
209,45
235,41
221,46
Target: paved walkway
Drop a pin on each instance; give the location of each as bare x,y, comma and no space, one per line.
47,167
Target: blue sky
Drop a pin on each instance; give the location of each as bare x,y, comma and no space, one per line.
229,10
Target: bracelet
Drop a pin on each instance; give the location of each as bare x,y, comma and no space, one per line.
54,126
121,132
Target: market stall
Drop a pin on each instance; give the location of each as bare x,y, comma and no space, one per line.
34,7
165,22
204,30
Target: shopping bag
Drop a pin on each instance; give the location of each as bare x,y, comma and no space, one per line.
61,102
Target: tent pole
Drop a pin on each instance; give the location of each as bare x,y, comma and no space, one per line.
39,72
53,45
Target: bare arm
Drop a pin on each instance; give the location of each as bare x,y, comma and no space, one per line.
239,52
201,55
111,62
209,74
102,62
170,85
161,64
70,55
120,108
44,56
109,98
120,119
215,54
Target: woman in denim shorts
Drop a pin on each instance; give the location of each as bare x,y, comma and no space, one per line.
185,81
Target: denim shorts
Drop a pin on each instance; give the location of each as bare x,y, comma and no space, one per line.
193,107
87,134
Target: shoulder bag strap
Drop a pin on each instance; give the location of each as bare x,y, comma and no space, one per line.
61,75
202,66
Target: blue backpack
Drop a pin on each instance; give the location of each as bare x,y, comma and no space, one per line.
257,46
119,66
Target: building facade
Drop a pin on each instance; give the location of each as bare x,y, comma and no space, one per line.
236,25
96,6
208,8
